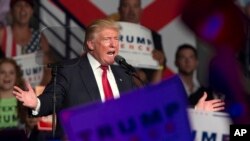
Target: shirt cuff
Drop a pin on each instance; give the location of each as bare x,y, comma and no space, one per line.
37,109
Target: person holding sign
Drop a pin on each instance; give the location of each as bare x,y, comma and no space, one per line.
130,11
19,39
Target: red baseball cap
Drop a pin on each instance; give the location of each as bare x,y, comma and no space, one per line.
13,2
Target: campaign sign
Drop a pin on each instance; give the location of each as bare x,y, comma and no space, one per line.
31,70
154,113
209,126
136,45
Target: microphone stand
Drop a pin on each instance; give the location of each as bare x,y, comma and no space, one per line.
133,73
54,67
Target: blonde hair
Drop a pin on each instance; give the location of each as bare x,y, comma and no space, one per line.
96,27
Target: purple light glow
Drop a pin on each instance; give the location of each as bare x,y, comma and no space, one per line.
212,26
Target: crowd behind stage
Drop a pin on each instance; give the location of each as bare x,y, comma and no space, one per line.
18,38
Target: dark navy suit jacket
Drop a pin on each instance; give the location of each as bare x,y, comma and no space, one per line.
76,85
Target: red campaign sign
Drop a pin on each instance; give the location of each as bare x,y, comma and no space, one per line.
85,12
45,123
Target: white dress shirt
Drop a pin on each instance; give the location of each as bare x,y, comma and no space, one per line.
196,86
95,65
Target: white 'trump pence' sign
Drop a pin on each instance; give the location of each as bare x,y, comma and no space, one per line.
136,45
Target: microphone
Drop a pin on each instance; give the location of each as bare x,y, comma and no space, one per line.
130,69
121,61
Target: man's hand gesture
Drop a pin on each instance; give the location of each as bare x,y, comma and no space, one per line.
210,105
28,98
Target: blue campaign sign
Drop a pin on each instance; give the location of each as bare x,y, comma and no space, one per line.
154,113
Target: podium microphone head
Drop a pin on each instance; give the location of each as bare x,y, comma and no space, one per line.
119,59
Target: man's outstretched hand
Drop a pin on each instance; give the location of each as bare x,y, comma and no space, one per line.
28,98
210,105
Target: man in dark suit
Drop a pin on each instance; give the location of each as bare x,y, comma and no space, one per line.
80,81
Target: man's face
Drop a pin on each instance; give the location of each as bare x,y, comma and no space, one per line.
130,11
105,46
22,12
186,62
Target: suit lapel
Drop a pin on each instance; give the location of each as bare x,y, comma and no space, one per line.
88,78
119,79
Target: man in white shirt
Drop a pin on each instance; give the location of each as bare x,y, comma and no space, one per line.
186,60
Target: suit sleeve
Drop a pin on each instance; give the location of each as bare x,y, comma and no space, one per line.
46,98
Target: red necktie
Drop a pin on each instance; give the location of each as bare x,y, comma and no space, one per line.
105,83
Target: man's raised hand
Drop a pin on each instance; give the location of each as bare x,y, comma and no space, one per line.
28,98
